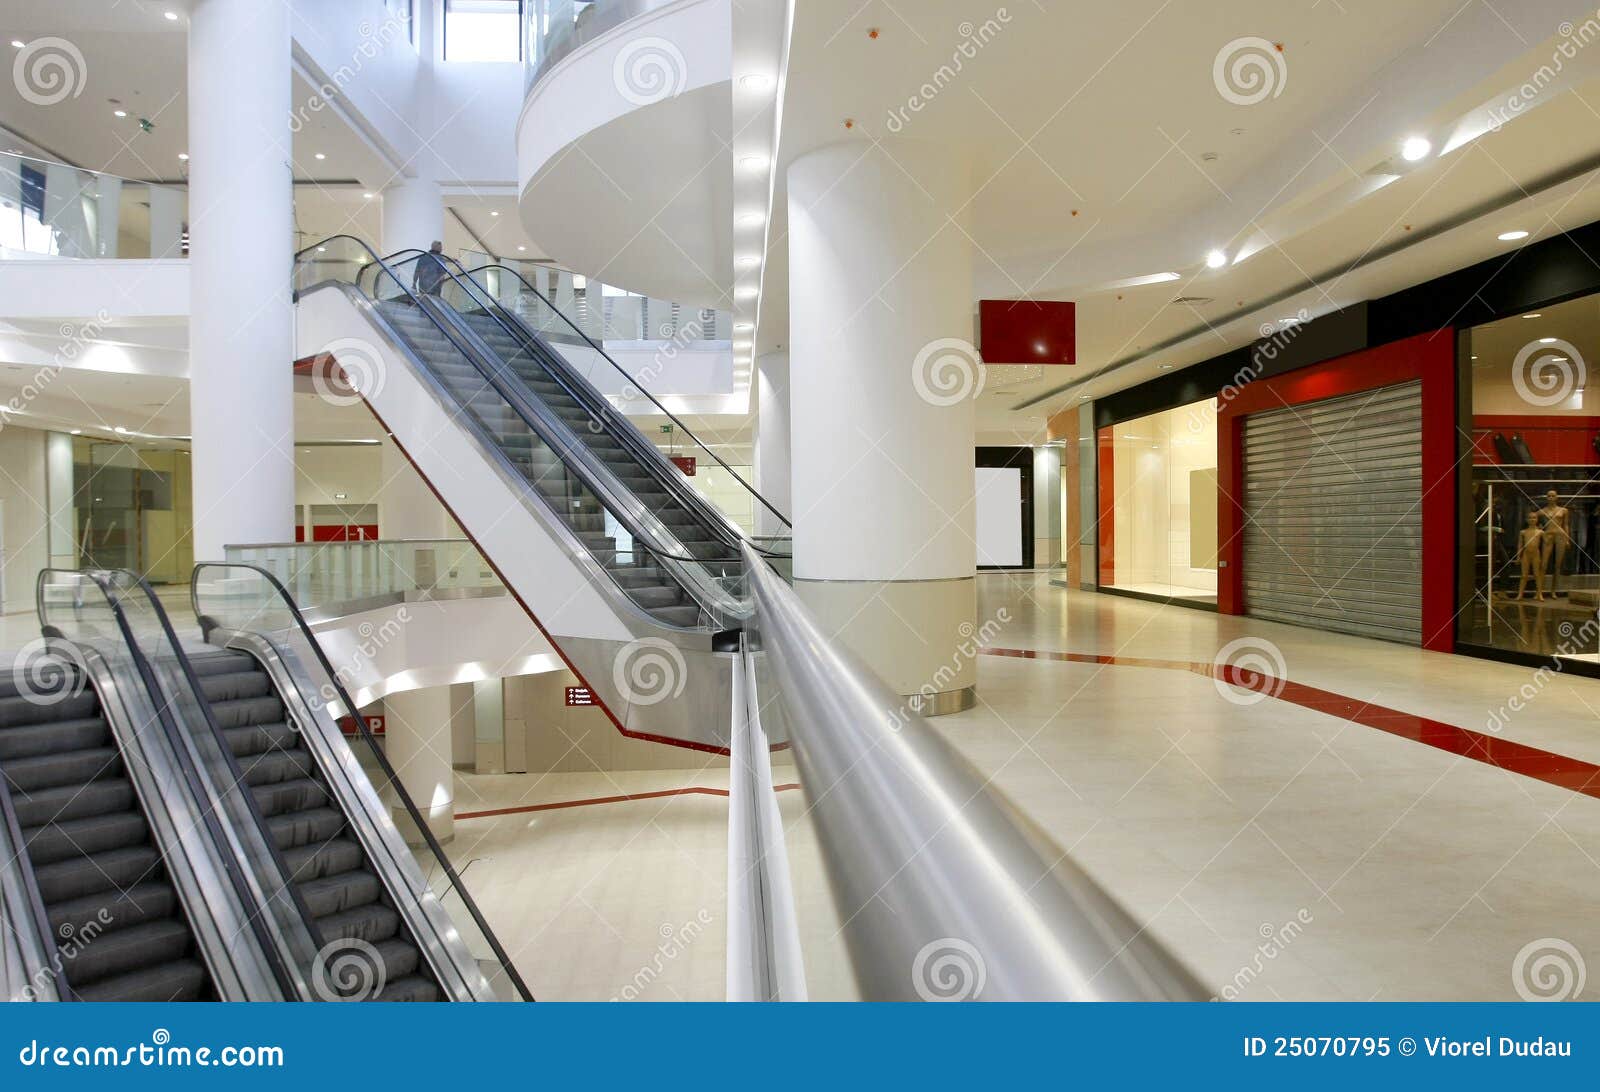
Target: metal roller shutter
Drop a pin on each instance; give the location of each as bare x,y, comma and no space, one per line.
1333,514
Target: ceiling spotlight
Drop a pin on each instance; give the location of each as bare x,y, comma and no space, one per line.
494,212
119,113
77,432
172,16
522,248
18,42
1532,314
184,156
1216,259
322,250
366,197
1511,236
1547,341
1415,148
321,156
754,82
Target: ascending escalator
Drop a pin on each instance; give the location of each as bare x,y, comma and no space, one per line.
335,878
123,932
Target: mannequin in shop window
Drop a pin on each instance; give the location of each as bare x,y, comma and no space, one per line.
1556,521
1530,554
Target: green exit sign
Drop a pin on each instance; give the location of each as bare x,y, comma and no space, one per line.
666,428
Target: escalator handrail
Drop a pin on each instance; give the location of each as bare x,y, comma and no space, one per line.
579,456
596,403
352,710
191,775
41,932
1042,930
635,384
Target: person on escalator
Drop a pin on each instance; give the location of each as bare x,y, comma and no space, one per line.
430,271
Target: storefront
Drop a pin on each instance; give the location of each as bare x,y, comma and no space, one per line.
1422,468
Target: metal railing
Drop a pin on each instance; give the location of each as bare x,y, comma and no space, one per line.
920,853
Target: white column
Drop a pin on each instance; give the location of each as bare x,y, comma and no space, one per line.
166,222
883,381
772,442
417,734
413,214
241,325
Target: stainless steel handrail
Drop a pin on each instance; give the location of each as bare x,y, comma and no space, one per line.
922,858
27,924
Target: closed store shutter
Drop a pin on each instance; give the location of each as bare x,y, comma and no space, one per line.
1333,514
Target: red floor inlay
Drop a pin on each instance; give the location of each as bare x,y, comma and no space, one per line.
691,790
1541,765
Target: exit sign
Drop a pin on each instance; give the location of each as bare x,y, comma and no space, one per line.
666,428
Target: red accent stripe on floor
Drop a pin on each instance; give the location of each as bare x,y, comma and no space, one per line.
691,790
1519,758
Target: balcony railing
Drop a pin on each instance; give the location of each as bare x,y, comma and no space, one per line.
53,210
552,29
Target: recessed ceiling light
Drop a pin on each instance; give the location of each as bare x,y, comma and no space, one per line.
120,429
172,16
1165,367
1216,259
322,250
494,212
1415,148
321,156
184,156
120,113
1511,236
366,197
1547,341
754,82
18,42
522,248
1533,314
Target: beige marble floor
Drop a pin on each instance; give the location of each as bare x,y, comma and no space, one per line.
1397,870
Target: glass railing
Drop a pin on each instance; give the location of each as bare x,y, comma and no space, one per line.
245,599
620,532
552,29
52,210
117,613
326,574
558,304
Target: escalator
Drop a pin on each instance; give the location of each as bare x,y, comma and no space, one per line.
347,901
102,883
620,562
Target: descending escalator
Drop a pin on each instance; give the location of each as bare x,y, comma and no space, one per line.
348,902
121,929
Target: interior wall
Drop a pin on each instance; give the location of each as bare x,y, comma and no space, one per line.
578,739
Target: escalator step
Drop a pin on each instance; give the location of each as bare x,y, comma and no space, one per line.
288,796
26,741
149,901
277,766
247,711
114,870
93,834
349,894
29,775
255,739
298,828
73,802
235,685
47,707
222,661
410,988
138,948
180,980
372,923
322,859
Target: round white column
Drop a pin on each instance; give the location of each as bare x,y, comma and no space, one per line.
882,383
241,231
419,741
413,214
772,442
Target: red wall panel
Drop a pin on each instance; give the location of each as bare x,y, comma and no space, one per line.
1028,331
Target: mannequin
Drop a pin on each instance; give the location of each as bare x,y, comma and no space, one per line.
1530,554
1556,521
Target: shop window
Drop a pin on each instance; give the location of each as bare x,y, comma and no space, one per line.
1158,484
1535,491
